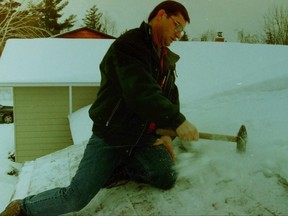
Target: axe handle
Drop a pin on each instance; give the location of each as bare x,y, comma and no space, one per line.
240,139
217,137
207,136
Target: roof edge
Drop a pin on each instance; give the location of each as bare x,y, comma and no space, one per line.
48,84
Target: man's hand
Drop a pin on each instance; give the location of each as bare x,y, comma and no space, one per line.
166,132
187,132
167,142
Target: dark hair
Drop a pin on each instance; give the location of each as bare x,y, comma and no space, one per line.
171,8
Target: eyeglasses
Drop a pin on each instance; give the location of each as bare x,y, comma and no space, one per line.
178,27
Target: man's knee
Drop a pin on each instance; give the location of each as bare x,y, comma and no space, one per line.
165,180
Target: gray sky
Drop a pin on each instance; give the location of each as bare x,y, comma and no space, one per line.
228,16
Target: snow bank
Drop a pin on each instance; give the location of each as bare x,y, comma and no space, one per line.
7,182
206,69
225,86
6,134
80,125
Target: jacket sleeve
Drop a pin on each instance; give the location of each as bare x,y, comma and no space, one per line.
140,90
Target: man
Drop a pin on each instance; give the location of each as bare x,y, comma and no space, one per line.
136,105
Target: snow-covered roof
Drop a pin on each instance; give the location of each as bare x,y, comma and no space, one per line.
53,62
213,178
39,62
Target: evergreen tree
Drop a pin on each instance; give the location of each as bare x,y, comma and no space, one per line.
209,35
93,19
49,13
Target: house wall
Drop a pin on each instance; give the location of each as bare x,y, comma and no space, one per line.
41,124
83,96
41,118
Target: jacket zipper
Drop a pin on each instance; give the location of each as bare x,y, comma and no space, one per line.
113,112
165,87
137,141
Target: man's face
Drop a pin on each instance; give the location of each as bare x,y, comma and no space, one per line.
172,28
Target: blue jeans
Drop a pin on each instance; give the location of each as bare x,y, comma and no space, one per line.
152,165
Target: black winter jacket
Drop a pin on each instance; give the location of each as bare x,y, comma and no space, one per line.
130,97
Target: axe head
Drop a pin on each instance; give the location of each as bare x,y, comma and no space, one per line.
242,139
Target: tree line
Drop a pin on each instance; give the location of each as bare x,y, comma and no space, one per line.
44,19
275,29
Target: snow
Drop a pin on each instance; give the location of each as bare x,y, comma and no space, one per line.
52,61
222,86
7,182
80,125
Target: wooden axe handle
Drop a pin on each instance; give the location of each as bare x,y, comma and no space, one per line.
240,139
217,137
207,136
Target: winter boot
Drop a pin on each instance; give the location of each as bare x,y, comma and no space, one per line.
13,209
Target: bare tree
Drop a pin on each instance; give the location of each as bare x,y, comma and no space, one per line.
244,37
276,25
18,24
209,35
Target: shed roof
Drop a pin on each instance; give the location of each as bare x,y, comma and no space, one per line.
84,32
52,62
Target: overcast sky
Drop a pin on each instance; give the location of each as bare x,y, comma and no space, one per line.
228,16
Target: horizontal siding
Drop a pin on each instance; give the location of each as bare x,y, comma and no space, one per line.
41,123
52,119
44,140
83,96
32,154
40,128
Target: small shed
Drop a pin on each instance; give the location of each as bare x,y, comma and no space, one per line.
84,32
51,78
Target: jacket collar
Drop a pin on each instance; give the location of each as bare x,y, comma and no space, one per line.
171,56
